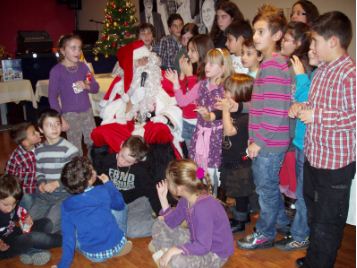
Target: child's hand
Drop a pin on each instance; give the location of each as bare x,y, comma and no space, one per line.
54,266
64,124
165,259
172,76
104,178
3,246
297,65
203,111
162,189
225,104
253,150
186,66
295,109
306,116
51,186
41,187
28,220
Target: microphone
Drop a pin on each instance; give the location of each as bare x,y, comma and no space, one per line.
96,21
144,75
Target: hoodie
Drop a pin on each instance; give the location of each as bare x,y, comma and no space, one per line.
87,218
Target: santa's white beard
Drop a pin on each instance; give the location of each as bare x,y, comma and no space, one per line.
152,85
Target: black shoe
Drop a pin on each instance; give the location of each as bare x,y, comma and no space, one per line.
237,226
300,262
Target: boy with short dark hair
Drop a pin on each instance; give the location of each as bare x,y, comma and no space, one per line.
51,156
330,139
170,45
237,33
87,219
146,33
269,127
19,235
132,176
22,162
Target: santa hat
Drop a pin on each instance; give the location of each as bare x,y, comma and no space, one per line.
126,56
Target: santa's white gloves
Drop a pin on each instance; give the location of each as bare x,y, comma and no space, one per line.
138,95
159,119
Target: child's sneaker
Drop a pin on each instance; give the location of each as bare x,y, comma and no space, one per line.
288,243
151,247
255,241
157,255
37,257
126,249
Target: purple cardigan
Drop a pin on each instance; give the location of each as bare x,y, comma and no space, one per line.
208,224
60,86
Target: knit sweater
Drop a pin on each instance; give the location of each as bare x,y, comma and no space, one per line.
51,158
60,88
268,114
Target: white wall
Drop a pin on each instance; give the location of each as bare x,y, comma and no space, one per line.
94,9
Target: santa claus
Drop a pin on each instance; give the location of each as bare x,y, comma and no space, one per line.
139,102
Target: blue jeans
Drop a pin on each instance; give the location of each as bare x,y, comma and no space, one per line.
299,228
187,132
27,201
266,167
121,217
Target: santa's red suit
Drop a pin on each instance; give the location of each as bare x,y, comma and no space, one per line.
126,101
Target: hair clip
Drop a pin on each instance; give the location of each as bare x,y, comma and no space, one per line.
200,173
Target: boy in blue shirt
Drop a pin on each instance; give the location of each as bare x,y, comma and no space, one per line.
87,220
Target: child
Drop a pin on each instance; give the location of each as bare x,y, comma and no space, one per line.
300,231
268,127
87,221
206,144
295,44
330,139
146,33
193,70
236,175
169,45
236,34
51,156
208,242
188,31
251,57
31,238
71,82
22,162
226,13
304,11
130,174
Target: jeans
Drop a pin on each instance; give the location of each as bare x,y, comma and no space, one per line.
327,195
187,132
27,201
299,228
266,167
121,217
39,238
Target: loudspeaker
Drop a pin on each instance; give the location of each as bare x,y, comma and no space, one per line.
33,41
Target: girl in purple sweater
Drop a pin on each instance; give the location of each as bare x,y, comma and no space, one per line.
68,92
208,240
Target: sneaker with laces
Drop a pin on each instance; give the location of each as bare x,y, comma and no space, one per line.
288,243
255,241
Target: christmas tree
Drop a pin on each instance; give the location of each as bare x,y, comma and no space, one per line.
118,28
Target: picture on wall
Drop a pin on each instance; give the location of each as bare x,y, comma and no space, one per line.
156,12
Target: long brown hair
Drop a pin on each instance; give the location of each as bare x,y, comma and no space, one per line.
202,43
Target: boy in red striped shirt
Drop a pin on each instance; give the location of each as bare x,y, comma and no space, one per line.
330,140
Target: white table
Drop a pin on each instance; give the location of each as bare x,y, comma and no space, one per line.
104,81
15,91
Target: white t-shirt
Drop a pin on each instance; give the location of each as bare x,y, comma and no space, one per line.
237,65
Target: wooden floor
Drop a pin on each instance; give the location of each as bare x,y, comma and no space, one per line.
140,257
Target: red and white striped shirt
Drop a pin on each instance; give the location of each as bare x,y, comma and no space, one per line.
330,140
